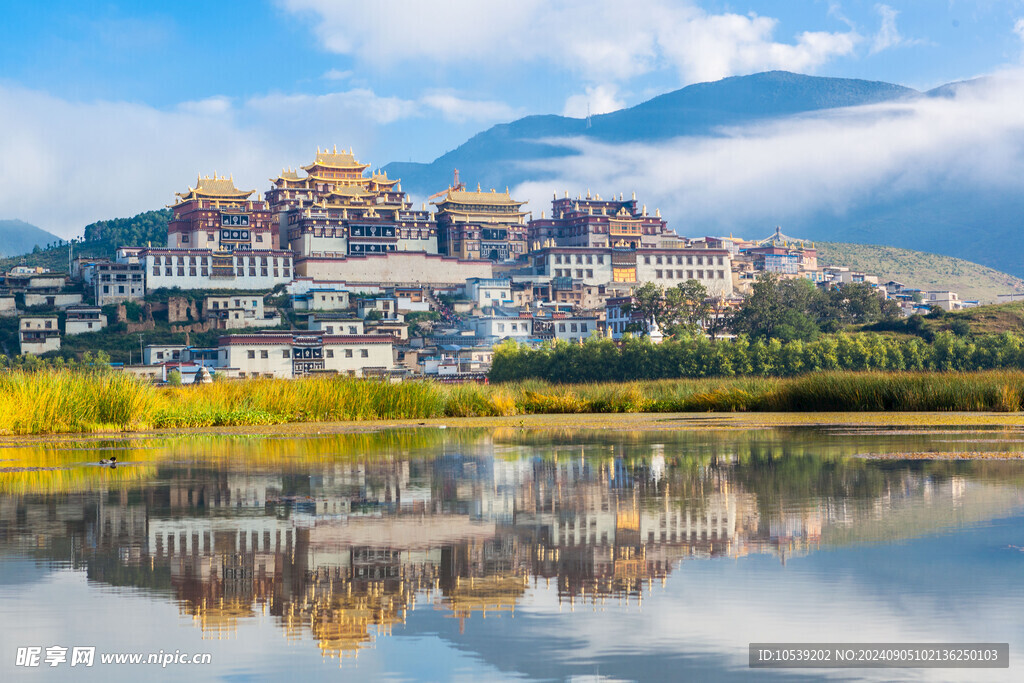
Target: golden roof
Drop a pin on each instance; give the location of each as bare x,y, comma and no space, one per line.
336,159
478,197
288,175
382,179
214,188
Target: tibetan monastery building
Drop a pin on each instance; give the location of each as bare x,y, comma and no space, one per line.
217,215
480,225
341,224
600,241
596,222
335,210
217,238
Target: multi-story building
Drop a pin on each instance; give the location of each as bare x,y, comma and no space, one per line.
239,311
597,266
491,329
335,323
217,215
481,225
294,354
208,269
573,329
489,292
81,319
113,283
217,239
321,299
38,334
620,319
603,223
336,210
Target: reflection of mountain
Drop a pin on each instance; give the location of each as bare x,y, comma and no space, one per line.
342,551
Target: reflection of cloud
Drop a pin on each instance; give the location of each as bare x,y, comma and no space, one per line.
604,43
764,173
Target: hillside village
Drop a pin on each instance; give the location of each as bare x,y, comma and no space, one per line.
335,271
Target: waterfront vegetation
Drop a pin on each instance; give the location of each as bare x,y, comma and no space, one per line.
66,401
603,360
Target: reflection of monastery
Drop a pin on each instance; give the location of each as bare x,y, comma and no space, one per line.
343,553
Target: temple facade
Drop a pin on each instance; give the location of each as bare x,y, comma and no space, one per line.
217,215
595,222
336,210
480,225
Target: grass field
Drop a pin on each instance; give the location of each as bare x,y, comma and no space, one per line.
70,402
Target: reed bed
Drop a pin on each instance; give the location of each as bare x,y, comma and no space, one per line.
64,401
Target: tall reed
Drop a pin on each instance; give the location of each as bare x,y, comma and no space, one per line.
68,401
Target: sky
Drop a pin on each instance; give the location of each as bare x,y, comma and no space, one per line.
109,108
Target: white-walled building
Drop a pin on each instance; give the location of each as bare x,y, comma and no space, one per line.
54,300
38,334
294,354
205,269
321,299
113,283
617,320
573,329
489,291
154,354
341,324
491,329
386,306
239,311
82,319
669,267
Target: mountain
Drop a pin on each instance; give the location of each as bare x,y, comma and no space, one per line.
915,202
18,237
922,270
499,156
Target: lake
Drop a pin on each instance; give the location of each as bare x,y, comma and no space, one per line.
429,554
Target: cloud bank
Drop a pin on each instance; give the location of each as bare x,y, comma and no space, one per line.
762,175
70,163
595,40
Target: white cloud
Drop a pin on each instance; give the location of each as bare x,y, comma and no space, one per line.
595,39
336,75
762,175
598,99
67,163
460,110
1018,28
888,35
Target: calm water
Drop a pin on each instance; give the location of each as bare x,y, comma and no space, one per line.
433,554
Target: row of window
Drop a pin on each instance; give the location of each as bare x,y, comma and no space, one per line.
514,327
711,275
205,272
679,260
251,354
215,304
579,258
573,327
239,260
580,272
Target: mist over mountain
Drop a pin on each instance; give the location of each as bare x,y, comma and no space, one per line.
827,158
18,237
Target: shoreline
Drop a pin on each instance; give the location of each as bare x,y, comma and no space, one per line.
653,422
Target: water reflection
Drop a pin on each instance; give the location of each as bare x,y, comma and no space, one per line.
340,539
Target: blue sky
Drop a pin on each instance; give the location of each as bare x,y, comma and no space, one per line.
146,95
